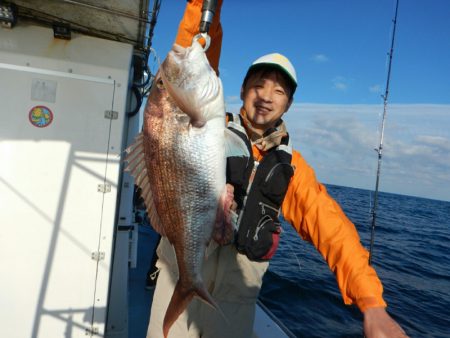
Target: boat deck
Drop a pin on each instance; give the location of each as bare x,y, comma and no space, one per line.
140,298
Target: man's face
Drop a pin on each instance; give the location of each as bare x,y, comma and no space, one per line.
266,99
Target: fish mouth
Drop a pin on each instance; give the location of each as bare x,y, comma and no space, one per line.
178,50
171,66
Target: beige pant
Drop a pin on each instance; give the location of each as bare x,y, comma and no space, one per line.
234,283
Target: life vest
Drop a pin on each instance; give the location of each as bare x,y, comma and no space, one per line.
259,191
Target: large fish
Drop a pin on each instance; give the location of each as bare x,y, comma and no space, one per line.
179,163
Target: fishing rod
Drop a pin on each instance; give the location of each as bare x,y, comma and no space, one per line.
208,11
380,147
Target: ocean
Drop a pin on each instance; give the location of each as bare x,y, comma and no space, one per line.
411,256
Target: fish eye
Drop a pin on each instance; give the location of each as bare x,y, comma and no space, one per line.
160,83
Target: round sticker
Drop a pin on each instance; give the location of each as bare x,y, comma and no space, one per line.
40,116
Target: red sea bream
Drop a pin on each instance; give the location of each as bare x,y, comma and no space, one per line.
179,163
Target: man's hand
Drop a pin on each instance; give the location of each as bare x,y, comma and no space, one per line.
223,232
378,324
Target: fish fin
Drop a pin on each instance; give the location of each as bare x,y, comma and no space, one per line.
234,145
135,159
223,232
178,303
180,299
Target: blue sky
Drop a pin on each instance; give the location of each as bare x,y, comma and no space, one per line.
339,49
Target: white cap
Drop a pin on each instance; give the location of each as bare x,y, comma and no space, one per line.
279,61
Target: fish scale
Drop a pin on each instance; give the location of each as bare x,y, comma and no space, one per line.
182,170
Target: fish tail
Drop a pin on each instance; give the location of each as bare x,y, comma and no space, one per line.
180,300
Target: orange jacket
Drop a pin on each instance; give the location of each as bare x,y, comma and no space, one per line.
190,26
307,205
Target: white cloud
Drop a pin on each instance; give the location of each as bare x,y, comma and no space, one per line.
339,141
320,58
340,83
439,142
232,99
375,89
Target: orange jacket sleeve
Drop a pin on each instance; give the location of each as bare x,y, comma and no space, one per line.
190,26
320,220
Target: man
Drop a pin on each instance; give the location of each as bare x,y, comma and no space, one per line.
275,178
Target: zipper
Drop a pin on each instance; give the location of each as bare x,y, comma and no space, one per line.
252,176
270,174
260,226
264,206
250,183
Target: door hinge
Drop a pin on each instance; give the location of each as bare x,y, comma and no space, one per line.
104,188
98,255
91,331
111,114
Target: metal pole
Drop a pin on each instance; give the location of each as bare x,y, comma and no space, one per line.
380,147
208,11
